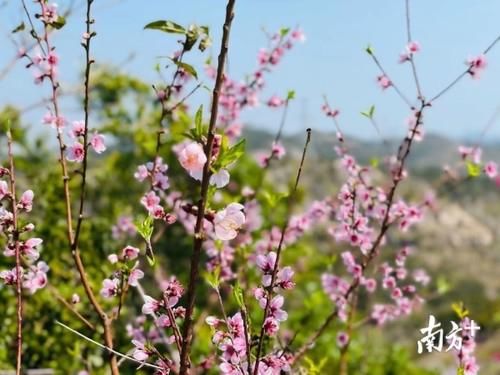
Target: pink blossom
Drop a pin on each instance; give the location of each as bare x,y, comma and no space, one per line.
275,310
342,339
26,201
413,47
97,143
278,150
228,221
329,111
135,275
36,278
75,298
266,262
75,152
384,82
52,58
491,169
150,200
78,129
298,35
4,189
130,252
140,352
173,291
110,287
150,305
271,326
275,101
9,277
142,173
220,178
477,65
192,158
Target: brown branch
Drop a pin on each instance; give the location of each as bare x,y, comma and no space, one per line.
72,308
187,335
106,321
291,200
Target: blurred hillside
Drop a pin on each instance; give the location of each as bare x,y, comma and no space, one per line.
458,243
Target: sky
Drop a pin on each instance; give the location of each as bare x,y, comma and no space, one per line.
331,62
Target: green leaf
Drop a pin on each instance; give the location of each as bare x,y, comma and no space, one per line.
460,310
442,285
166,26
186,67
290,95
213,278
238,295
374,162
198,122
473,170
369,113
145,228
60,22
273,199
18,28
284,31
229,156
369,50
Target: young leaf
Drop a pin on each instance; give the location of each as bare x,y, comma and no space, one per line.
232,154
238,295
186,67
166,26
369,50
145,228
198,122
473,170
213,278
290,95
284,31
369,113
60,22
18,28
460,310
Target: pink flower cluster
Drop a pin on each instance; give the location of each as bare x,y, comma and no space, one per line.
473,155
235,96
76,152
127,272
465,354
401,290
231,340
165,313
34,276
156,173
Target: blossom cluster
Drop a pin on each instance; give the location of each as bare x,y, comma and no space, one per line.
33,273
236,96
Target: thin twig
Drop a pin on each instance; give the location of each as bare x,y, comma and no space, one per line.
393,85
114,352
463,74
15,235
412,56
291,200
187,334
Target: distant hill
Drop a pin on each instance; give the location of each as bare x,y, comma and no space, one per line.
433,152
